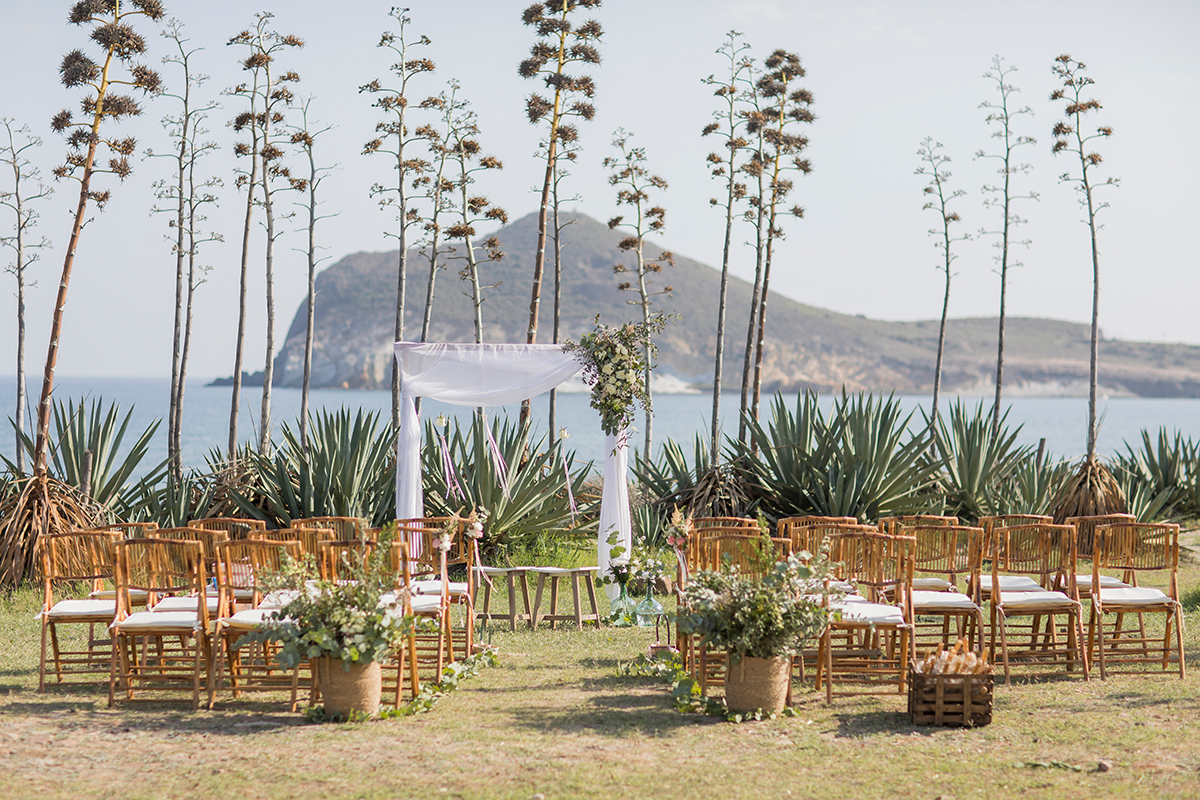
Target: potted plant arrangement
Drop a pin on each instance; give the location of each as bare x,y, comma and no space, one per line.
346,628
761,623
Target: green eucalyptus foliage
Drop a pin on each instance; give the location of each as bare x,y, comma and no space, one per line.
78,429
976,465
348,471
765,617
535,504
861,461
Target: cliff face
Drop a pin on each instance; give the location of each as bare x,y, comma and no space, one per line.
806,346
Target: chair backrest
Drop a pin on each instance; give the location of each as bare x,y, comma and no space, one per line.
897,526
427,530
162,568
344,528
307,537
400,563
1086,527
879,564
725,524
1138,547
129,530
740,549
945,551
1046,553
236,527
810,536
242,564
207,540
335,557
76,557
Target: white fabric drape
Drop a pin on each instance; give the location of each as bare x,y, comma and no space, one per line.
465,375
614,508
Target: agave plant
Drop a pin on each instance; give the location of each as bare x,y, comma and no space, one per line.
525,496
102,432
861,462
347,471
1031,486
976,464
170,503
1162,478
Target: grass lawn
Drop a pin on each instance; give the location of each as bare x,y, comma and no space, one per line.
555,719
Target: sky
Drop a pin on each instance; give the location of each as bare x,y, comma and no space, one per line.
884,75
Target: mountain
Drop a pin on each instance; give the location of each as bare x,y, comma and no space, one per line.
805,347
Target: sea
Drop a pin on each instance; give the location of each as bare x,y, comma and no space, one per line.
1061,421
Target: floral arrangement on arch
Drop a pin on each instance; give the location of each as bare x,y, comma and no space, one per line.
614,364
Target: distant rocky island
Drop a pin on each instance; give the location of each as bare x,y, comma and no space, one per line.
806,347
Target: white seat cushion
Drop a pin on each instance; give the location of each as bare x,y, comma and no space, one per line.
184,621
559,570
932,585
136,596
66,609
456,588
875,613
1132,596
168,604
935,601
426,604
1106,582
278,598
1041,599
1011,583
250,618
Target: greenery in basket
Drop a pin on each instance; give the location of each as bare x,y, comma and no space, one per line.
359,619
763,617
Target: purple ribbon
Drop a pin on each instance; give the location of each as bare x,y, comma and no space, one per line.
570,494
452,484
501,467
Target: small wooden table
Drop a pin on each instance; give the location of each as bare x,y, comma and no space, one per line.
512,575
554,574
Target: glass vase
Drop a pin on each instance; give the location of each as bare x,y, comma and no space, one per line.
649,610
623,610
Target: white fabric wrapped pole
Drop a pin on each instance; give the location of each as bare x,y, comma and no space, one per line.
614,507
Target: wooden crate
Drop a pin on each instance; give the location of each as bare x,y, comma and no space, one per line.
964,700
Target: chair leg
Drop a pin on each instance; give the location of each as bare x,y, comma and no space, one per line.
42,664
1179,641
1004,646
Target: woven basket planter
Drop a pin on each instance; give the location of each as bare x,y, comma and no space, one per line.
348,692
755,683
950,699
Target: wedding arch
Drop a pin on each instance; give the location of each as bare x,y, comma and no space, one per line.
482,375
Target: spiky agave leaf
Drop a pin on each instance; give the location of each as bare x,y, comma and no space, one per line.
975,463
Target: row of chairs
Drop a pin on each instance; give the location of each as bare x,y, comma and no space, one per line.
147,628
909,573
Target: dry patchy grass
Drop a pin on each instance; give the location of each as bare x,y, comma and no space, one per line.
555,718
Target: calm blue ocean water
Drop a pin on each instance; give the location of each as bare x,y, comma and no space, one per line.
1062,421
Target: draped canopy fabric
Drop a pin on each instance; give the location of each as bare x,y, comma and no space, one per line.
491,375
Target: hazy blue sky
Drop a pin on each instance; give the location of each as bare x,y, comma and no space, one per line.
884,75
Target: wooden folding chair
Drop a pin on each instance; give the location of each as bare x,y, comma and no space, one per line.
1045,554
142,659
1085,528
422,534
869,647
942,558
1140,551
237,528
808,534
68,559
405,656
242,566
208,540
